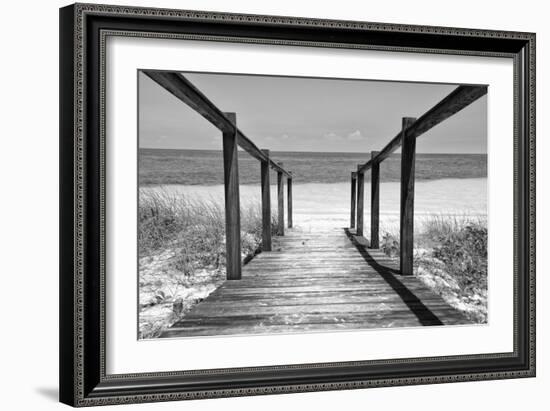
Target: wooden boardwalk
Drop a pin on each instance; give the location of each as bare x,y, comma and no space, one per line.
316,281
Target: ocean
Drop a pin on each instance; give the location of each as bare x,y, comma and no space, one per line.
205,167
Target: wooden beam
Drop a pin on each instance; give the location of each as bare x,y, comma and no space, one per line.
184,90
289,201
353,198
375,203
180,87
360,202
406,226
280,204
266,204
459,98
232,203
253,150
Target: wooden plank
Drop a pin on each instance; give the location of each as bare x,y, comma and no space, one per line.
353,198
289,288
362,294
356,264
336,270
280,204
263,328
274,325
458,99
328,282
289,201
266,204
316,275
297,268
360,202
375,203
297,249
406,225
232,203
259,326
357,297
304,268
313,271
326,256
230,310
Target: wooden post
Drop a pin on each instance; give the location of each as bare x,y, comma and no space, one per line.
232,205
280,203
360,201
289,200
266,204
375,202
406,227
353,198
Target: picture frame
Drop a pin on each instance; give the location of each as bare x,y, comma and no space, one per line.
83,221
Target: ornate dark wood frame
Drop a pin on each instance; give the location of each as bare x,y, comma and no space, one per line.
83,30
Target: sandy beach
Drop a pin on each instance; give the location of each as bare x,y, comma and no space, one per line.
318,206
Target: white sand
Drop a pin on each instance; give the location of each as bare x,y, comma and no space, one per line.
328,205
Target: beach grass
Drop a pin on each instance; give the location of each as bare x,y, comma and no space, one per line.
450,257
181,245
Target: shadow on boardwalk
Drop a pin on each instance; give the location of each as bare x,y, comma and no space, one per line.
423,313
316,281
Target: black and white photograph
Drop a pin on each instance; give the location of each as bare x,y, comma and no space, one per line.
262,199
279,204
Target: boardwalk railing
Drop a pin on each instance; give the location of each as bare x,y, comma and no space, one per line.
184,90
411,128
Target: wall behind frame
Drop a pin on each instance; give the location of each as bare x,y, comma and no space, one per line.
29,206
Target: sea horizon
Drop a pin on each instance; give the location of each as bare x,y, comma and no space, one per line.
367,153
159,166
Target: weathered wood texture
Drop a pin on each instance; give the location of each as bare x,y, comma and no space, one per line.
232,203
375,203
316,281
459,98
266,203
289,201
406,225
280,204
183,89
360,202
353,198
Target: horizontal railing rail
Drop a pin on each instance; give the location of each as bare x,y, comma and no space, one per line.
183,89
226,122
411,129
458,99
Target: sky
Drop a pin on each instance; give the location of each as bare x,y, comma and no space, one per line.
307,114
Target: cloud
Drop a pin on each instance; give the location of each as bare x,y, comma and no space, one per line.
332,137
274,138
355,136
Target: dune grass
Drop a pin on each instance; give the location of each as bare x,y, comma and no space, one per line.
450,256
181,245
